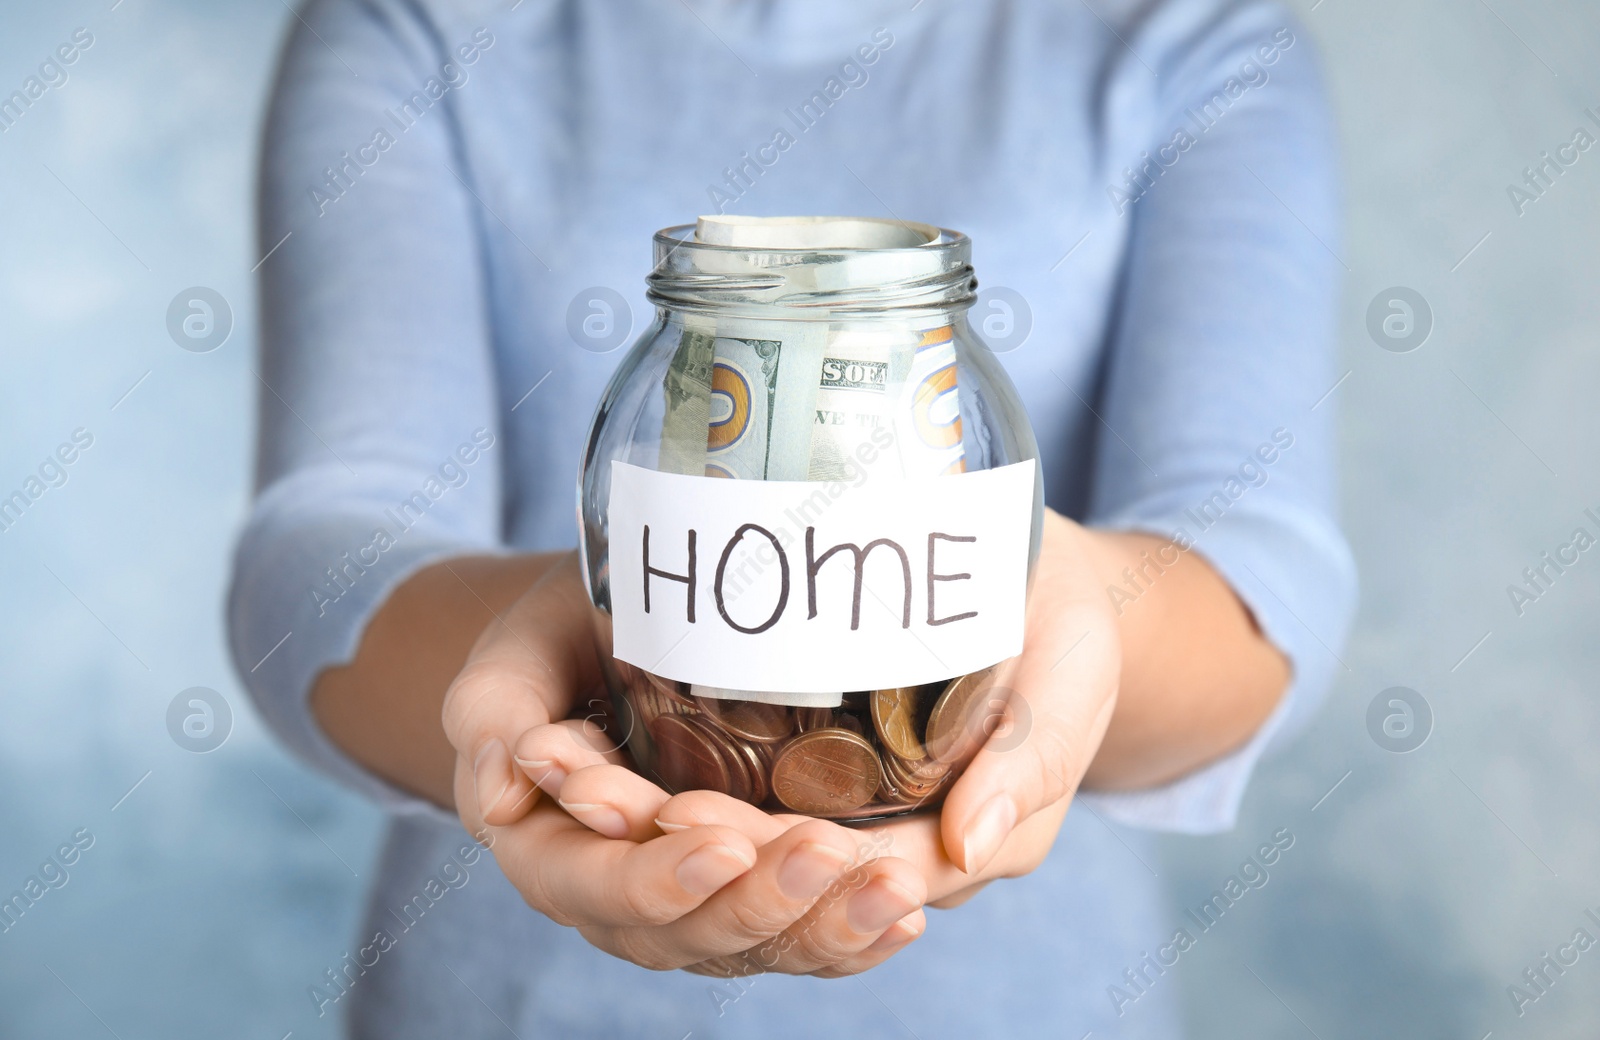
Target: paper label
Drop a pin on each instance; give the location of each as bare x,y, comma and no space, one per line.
810,589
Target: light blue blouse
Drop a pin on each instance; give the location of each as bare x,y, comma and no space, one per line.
442,180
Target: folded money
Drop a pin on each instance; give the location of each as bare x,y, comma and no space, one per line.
811,399
812,232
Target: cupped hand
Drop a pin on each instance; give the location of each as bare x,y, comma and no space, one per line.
1050,709
706,896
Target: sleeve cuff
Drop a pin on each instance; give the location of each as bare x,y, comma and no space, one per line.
1296,576
285,634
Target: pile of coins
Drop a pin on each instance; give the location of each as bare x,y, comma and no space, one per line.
880,752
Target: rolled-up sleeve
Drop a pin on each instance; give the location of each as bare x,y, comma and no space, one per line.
379,444
1220,363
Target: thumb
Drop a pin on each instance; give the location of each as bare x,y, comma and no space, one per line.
1040,723
525,671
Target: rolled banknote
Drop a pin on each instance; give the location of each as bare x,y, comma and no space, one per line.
929,418
763,390
860,383
887,403
687,409
812,232
804,400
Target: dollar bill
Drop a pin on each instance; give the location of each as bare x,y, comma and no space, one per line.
888,403
860,384
812,232
786,401
928,420
687,387
793,401
763,388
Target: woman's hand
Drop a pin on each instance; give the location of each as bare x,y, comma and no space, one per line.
812,898
1049,709
1125,697
1122,697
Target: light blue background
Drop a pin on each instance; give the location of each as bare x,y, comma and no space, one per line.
225,884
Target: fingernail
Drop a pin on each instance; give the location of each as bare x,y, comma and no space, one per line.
878,905
987,831
671,828
491,773
897,935
809,869
601,819
708,868
547,775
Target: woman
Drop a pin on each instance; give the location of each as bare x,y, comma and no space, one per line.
443,186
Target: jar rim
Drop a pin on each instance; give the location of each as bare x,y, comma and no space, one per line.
815,284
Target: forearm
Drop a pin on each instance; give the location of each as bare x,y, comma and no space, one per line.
1198,677
383,708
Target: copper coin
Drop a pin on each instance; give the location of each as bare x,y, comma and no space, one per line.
671,692
950,737
750,779
921,788
740,783
757,769
767,754
640,711
853,723
813,718
894,717
650,701
888,789
826,770
762,723
922,797
924,770
644,703
687,757
905,789
917,781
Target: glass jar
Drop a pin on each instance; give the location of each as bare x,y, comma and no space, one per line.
836,400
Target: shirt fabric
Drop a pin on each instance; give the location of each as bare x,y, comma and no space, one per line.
1157,180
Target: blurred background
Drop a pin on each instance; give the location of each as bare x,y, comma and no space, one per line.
1444,837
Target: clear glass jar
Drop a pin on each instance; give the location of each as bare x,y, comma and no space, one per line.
826,365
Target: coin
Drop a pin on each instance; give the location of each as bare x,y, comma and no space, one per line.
686,756
894,717
766,754
741,784
762,723
915,782
949,735
644,702
888,790
636,707
826,770
757,768
671,692
852,723
813,718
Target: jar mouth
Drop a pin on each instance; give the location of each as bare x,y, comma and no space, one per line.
932,278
